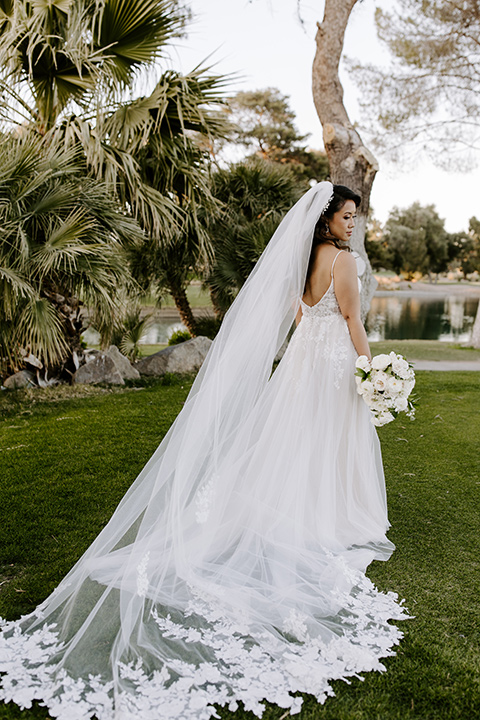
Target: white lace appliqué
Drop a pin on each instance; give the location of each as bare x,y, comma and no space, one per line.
142,577
204,500
245,663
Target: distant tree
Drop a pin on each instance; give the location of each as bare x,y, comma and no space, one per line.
417,240
469,254
430,93
264,123
376,245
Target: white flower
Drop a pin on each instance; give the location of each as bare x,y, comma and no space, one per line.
400,367
380,404
400,404
363,363
367,388
358,379
381,362
387,416
382,418
380,380
395,386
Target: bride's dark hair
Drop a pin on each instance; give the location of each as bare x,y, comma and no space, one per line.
321,234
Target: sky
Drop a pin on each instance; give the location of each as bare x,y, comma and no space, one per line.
263,44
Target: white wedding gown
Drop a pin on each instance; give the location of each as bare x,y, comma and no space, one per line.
256,588
233,568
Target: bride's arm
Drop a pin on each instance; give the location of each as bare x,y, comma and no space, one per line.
346,291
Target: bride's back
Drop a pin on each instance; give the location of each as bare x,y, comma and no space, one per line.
320,276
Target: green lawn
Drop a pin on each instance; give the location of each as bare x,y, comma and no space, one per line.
66,462
426,350
411,349
197,298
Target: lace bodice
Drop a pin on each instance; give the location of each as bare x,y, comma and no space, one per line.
326,306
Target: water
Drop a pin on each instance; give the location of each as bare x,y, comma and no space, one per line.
421,317
392,316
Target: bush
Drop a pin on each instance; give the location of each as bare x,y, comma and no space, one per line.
179,336
208,326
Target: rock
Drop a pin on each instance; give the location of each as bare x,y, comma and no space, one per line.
100,369
91,354
20,379
123,364
30,359
185,357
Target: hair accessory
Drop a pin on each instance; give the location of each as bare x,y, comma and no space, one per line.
325,207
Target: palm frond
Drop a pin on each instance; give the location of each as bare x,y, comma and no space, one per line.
40,329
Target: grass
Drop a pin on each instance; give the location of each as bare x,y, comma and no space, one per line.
411,349
426,350
197,298
67,461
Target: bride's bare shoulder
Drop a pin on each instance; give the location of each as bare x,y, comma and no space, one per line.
345,263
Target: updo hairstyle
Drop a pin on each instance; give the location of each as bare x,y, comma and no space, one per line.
321,234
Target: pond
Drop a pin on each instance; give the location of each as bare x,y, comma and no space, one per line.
393,315
404,316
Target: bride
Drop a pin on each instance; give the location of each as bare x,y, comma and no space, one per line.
233,568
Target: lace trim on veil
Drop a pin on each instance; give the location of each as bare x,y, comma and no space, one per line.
248,665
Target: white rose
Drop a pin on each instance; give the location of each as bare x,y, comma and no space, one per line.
363,363
358,379
400,367
394,386
380,381
370,402
382,418
381,362
385,417
380,404
367,388
408,386
400,404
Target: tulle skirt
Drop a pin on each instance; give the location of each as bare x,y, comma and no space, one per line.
254,591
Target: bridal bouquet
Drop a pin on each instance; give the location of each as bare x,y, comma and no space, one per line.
385,384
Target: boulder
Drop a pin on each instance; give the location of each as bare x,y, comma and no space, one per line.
185,357
123,364
100,369
21,379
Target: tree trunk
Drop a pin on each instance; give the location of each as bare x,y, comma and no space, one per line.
218,311
475,340
183,306
351,163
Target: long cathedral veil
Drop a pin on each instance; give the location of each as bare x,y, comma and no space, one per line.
182,600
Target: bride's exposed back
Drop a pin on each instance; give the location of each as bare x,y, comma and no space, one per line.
234,568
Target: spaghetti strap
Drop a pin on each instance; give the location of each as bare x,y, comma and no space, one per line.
334,260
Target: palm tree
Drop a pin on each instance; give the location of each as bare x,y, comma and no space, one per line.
167,133
66,68
255,195
62,56
62,249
